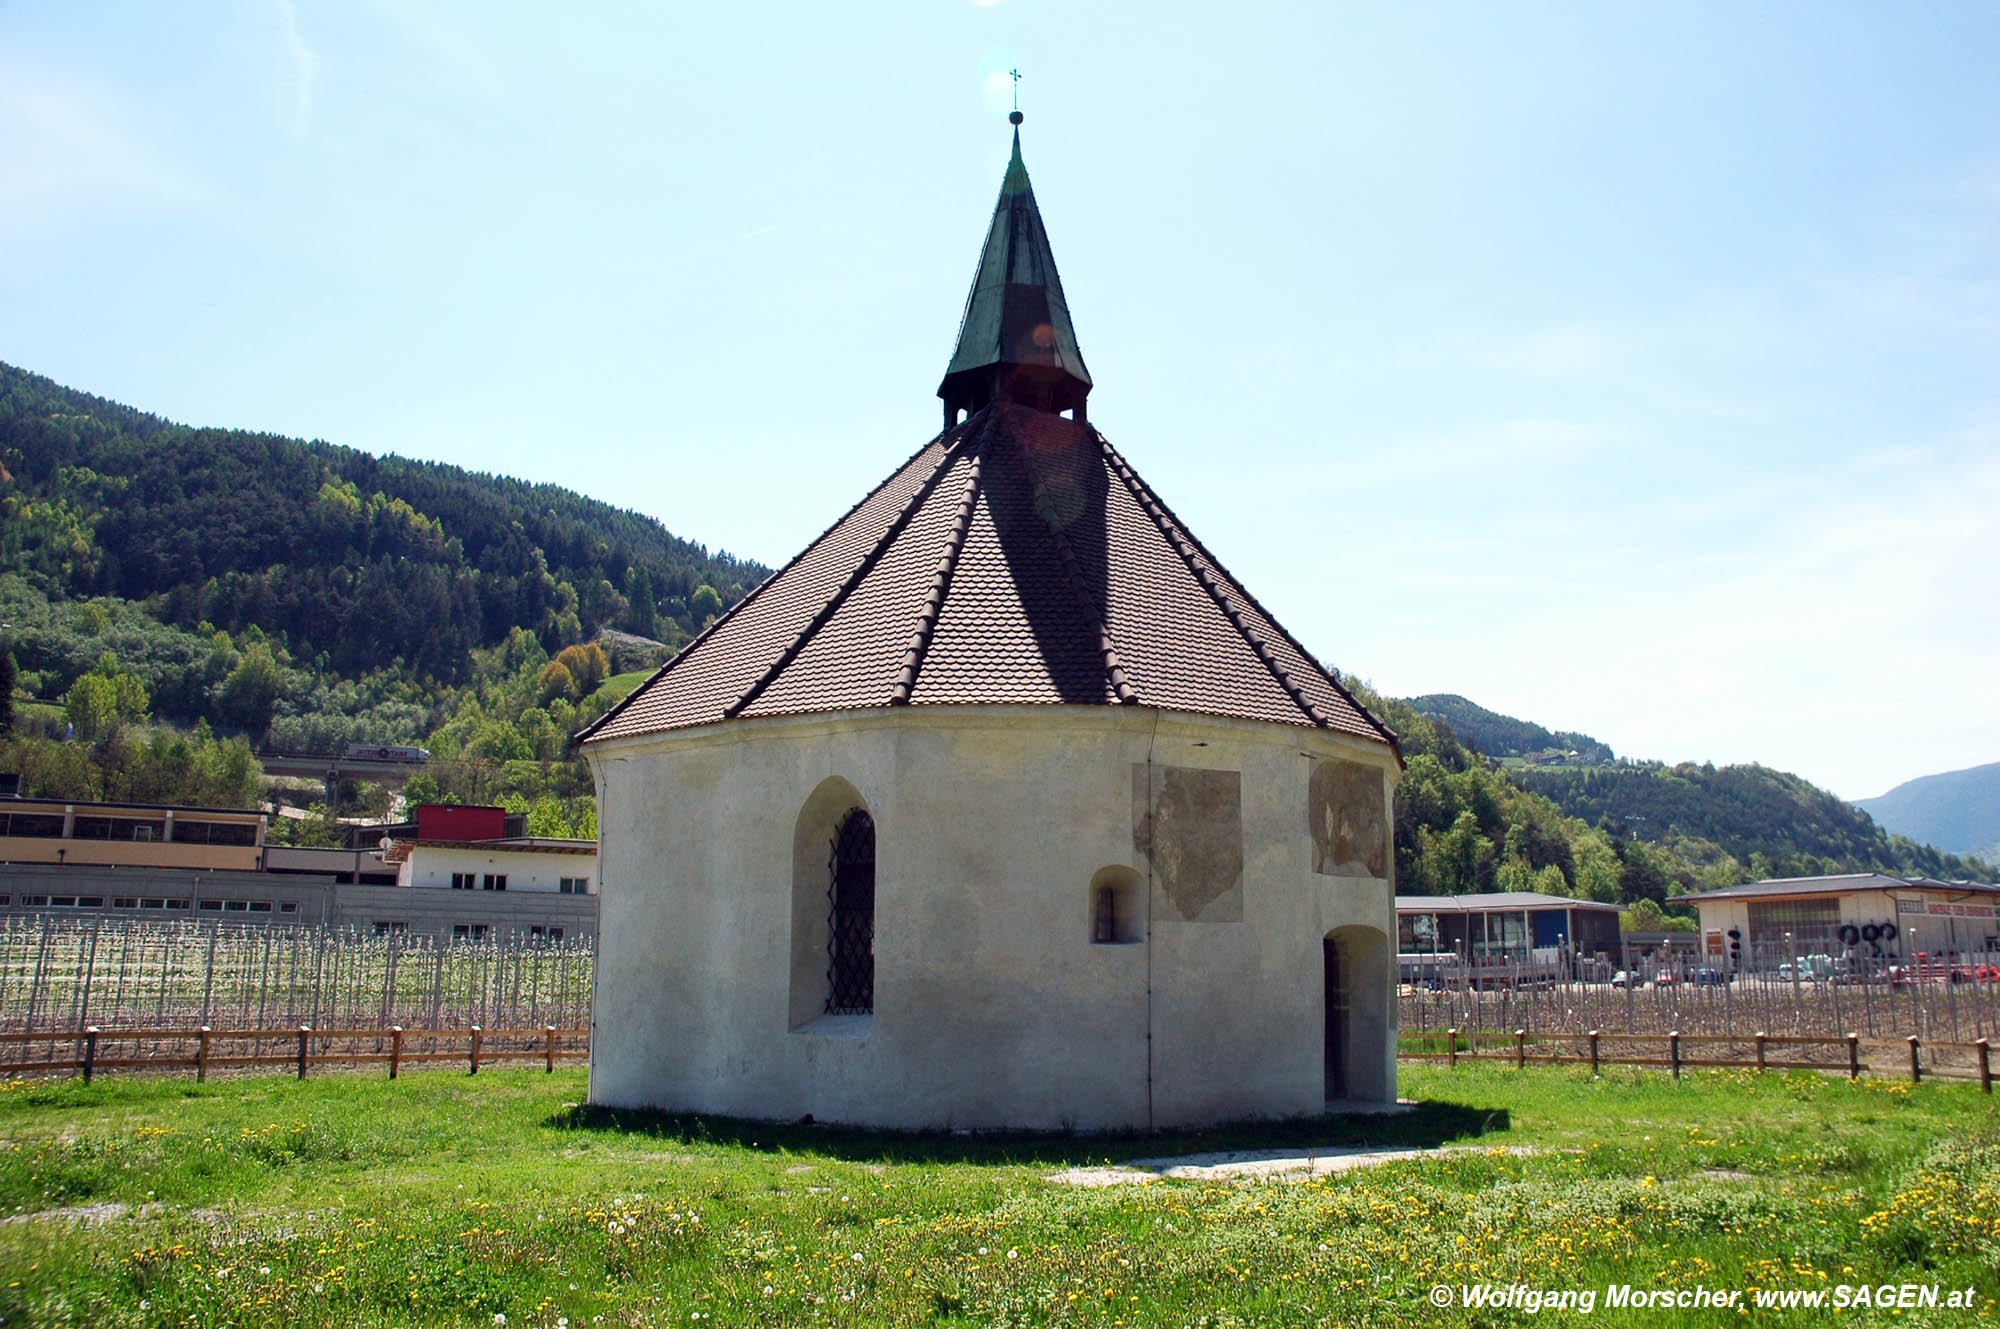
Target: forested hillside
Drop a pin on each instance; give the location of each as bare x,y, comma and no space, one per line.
1499,735
1780,824
1463,824
174,596
358,562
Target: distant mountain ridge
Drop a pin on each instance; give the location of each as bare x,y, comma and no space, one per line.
1958,811
1767,822
1499,735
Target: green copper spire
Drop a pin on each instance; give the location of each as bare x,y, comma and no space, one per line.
1016,341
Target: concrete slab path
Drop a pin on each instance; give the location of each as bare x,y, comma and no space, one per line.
1258,1164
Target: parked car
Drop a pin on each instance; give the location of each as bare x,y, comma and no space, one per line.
1623,979
1710,977
1667,978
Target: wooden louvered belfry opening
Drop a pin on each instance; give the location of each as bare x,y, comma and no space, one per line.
850,969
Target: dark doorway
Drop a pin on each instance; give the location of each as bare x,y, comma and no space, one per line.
1336,1021
850,967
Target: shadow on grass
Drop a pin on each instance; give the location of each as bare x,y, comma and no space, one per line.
1427,1125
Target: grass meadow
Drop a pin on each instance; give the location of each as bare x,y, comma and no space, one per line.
496,1200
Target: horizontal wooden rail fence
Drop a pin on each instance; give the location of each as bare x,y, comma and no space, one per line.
305,1047
1517,1051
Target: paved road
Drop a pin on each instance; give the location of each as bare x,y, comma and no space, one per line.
383,772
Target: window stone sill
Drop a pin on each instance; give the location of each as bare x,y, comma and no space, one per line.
838,1026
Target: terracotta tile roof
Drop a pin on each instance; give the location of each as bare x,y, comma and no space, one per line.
1015,558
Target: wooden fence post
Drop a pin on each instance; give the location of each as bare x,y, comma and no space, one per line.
1674,1050
1520,1049
1853,1056
201,1055
1451,1049
305,1042
89,1051
1593,1052
549,1037
1985,1066
1916,1066
475,1049
1760,1036
395,1049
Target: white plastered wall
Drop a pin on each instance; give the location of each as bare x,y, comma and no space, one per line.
993,1007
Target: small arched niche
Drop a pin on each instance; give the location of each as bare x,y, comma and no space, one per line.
826,810
1116,907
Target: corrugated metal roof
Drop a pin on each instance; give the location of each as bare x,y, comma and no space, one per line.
1473,904
1017,558
1836,885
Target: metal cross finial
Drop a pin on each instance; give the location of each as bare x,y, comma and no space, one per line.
1015,74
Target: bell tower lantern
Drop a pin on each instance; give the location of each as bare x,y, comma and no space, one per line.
1016,342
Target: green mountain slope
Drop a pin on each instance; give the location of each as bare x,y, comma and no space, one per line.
1776,824
365,562
1499,735
1717,826
1958,811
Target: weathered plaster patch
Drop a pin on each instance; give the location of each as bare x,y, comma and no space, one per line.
1189,822
1344,807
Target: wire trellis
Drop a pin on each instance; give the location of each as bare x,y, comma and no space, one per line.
60,974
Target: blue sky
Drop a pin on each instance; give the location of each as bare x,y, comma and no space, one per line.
1632,371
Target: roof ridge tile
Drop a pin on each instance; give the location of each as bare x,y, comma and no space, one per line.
927,617
1179,535
1114,668
853,579
731,613
1212,584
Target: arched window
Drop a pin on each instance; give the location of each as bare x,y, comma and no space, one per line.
1114,907
850,969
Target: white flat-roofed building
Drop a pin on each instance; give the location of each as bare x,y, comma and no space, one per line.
526,863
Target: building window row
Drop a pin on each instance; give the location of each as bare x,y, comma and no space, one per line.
214,832
574,886
248,906
463,881
118,828
495,881
49,826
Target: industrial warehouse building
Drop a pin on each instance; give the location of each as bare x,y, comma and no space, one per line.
1865,914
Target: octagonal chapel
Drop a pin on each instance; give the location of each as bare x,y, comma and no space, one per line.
1001,805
